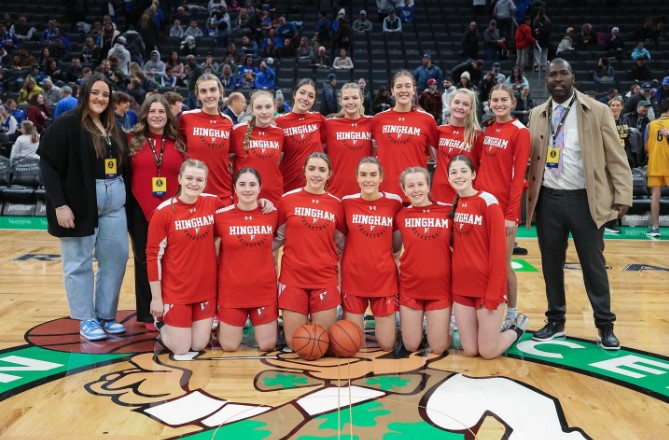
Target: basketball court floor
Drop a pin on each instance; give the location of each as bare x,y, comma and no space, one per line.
55,385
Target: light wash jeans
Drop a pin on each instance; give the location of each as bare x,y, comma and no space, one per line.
89,299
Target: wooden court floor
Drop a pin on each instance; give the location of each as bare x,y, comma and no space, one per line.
55,386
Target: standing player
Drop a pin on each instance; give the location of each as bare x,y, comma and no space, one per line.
506,150
657,148
405,136
348,140
479,278
181,262
304,134
258,144
311,229
206,132
246,238
425,265
462,136
368,269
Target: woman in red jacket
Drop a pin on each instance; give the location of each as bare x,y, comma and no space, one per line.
524,41
479,275
37,112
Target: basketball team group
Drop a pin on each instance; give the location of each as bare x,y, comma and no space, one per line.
345,204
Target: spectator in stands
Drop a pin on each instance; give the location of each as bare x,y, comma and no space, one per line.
474,67
323,31
155,67
121,53
466,82
430,99
321,60
248,65
343,61
663,91
567,43
228,79
524,41
604,73
485,87
8,124
215,5
304,51
37,112
492,41
367,96
26,144
645,32
29,90
281,105
43,58
614,45
107,38
49,34
286,29
640,118
244,23
471,41
175,101
640,71
382,101
53,71
640,51
136,90
59,51
658,164
193,30
329,101
426,71
658,33
343,37
406,12
23,61
188,46
74,71
176,31
194,72
499,76
125,117
8,40
170,80
236,106
517,80
37,74
22,29
248,46
542,28
149,33
51,93
266,78
362,25
625,130
66,103
449,91
218,31
523,105
503,12
175,63
90,52
12,108
246,81
586,39
209,63
392,23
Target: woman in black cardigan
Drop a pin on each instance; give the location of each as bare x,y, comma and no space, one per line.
81,158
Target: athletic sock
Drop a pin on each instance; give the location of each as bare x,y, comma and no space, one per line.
511,312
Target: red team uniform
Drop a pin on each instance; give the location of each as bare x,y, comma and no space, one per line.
207,139
304,135
263,154
425,265
479,252
309,267
506,150
180,253
403,140
451,144
246,246
347,141
368,269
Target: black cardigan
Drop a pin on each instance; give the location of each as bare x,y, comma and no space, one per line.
67,155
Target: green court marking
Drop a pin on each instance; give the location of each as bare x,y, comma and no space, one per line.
23,223
522,266
627,233
363,416
285,381
387,382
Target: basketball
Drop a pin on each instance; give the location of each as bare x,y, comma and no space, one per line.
346,338
310,341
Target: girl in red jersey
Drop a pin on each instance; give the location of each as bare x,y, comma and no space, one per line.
259,144
348,139
156,154
425,265
479,275
311,230
206,132
506,150
181,262
304,134
246,237
463,136
405,136
368,269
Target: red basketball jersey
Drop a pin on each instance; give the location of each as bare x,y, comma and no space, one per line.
451,144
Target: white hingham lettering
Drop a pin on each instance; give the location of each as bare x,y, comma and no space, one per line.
196,222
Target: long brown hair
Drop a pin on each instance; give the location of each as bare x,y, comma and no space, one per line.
252,122
140,132
106,118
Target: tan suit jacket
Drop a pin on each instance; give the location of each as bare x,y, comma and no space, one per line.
608,178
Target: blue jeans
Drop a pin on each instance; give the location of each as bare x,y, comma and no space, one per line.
91,298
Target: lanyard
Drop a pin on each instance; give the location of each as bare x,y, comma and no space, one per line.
159,160
554,133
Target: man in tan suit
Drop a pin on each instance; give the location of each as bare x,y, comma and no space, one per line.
579,179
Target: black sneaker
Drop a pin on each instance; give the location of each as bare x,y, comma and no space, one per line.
552,329
517,250
607,339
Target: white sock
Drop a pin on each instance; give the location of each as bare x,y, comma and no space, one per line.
511,312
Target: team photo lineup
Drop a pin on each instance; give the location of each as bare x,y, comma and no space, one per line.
347,202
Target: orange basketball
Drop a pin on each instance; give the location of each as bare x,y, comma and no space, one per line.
310,341
346,338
